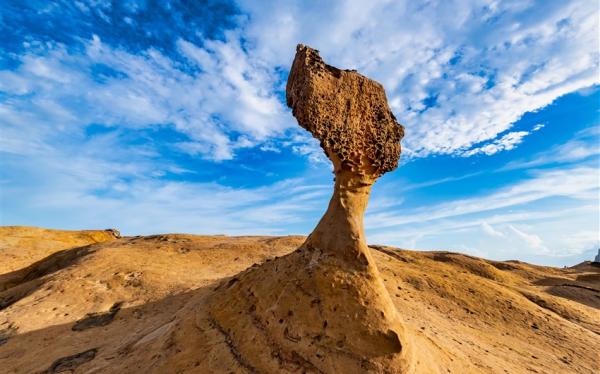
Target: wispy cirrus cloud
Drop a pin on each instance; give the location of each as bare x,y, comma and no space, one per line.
550,217
109,185
532,240
584,144
577,183
551,237
488,229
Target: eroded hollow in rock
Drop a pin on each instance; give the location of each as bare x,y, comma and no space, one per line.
324,308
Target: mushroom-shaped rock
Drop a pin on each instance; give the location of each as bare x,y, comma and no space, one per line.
350,116
347,112
324,308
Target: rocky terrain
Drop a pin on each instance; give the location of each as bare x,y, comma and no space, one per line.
138,304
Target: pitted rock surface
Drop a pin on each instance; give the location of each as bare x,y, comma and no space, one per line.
347,112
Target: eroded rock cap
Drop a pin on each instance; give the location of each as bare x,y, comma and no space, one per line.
347,112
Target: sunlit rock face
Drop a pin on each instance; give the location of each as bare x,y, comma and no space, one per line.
349,114
324,307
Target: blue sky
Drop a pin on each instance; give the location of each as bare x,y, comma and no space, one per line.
153,116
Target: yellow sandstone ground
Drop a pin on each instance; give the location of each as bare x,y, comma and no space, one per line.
137,305
21,246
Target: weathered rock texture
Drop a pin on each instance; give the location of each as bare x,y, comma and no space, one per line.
465,314
324,308
350,116
347,112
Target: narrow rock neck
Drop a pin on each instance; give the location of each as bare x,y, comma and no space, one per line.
340,233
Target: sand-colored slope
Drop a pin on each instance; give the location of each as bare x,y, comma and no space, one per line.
21,246
139,305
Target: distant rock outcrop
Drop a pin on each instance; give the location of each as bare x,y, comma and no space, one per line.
597,258
20,245
324,307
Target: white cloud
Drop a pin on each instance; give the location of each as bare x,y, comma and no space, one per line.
583,145
576,183
567,234
222,101
552,218
106,183
488,229
312,150
505,143
456,73
532,240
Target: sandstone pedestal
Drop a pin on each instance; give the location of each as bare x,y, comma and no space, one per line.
324,308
